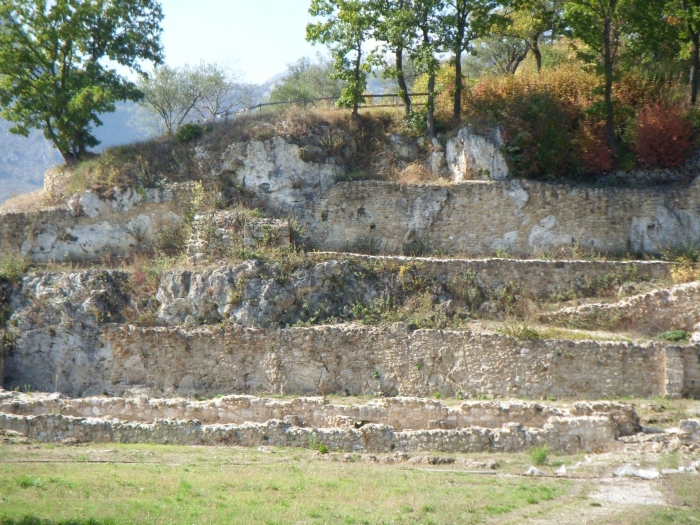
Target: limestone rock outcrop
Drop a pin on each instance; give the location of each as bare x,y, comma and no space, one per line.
472,157
275,171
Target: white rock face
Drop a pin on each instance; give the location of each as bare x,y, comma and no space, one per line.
670,227
97,224
470,156
275,171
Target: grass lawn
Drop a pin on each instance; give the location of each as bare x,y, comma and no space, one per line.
143,484
185,485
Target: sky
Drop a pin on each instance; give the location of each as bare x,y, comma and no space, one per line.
257,37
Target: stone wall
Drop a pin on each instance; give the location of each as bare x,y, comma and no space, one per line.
691,371
343,359
95,224
519,217
328,285
398,413
216,234
561,435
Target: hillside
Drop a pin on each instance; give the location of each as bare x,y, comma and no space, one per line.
308,280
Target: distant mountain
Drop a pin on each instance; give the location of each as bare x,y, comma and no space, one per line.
23,161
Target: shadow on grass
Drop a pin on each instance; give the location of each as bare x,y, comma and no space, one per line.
35,520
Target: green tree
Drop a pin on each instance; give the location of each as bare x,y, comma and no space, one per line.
395,27
222,90
684,15
502,53
531,20
57,64
346,27
306,79
171,94
600,25
464,22
429,24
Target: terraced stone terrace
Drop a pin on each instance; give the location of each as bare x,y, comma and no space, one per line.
250,335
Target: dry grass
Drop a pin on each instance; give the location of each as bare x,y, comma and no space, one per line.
27,202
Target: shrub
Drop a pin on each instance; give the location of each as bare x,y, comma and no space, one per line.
519,331
594,154
538,134
539,455
189,132
675,336
12,266
663,135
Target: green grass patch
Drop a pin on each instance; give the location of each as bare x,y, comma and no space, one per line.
181,485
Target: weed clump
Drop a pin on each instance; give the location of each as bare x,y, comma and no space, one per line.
539,455
675,336
519,330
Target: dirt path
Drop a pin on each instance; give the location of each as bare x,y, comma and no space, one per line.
591,501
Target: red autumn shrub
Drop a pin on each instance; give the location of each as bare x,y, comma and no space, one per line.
594,154
663,135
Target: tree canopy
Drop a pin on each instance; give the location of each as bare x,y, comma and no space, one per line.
58,64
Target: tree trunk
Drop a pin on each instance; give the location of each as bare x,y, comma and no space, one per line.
535,46
459,45
431,104
695,68
457,113
68,158
358,66
517,60
610,121
401,80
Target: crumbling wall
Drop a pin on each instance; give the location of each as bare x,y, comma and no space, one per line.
661,310
561,435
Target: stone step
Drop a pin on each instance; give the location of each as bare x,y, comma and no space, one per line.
583,427
661,310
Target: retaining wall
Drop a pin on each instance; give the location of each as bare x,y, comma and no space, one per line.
520,217
345,359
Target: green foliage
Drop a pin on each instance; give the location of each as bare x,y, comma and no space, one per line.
12,266
189,132
675,336
346,26
539,455
415,248
306,79
366,246
26,482
539,132
55,70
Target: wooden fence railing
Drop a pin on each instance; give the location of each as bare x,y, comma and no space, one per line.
395,99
